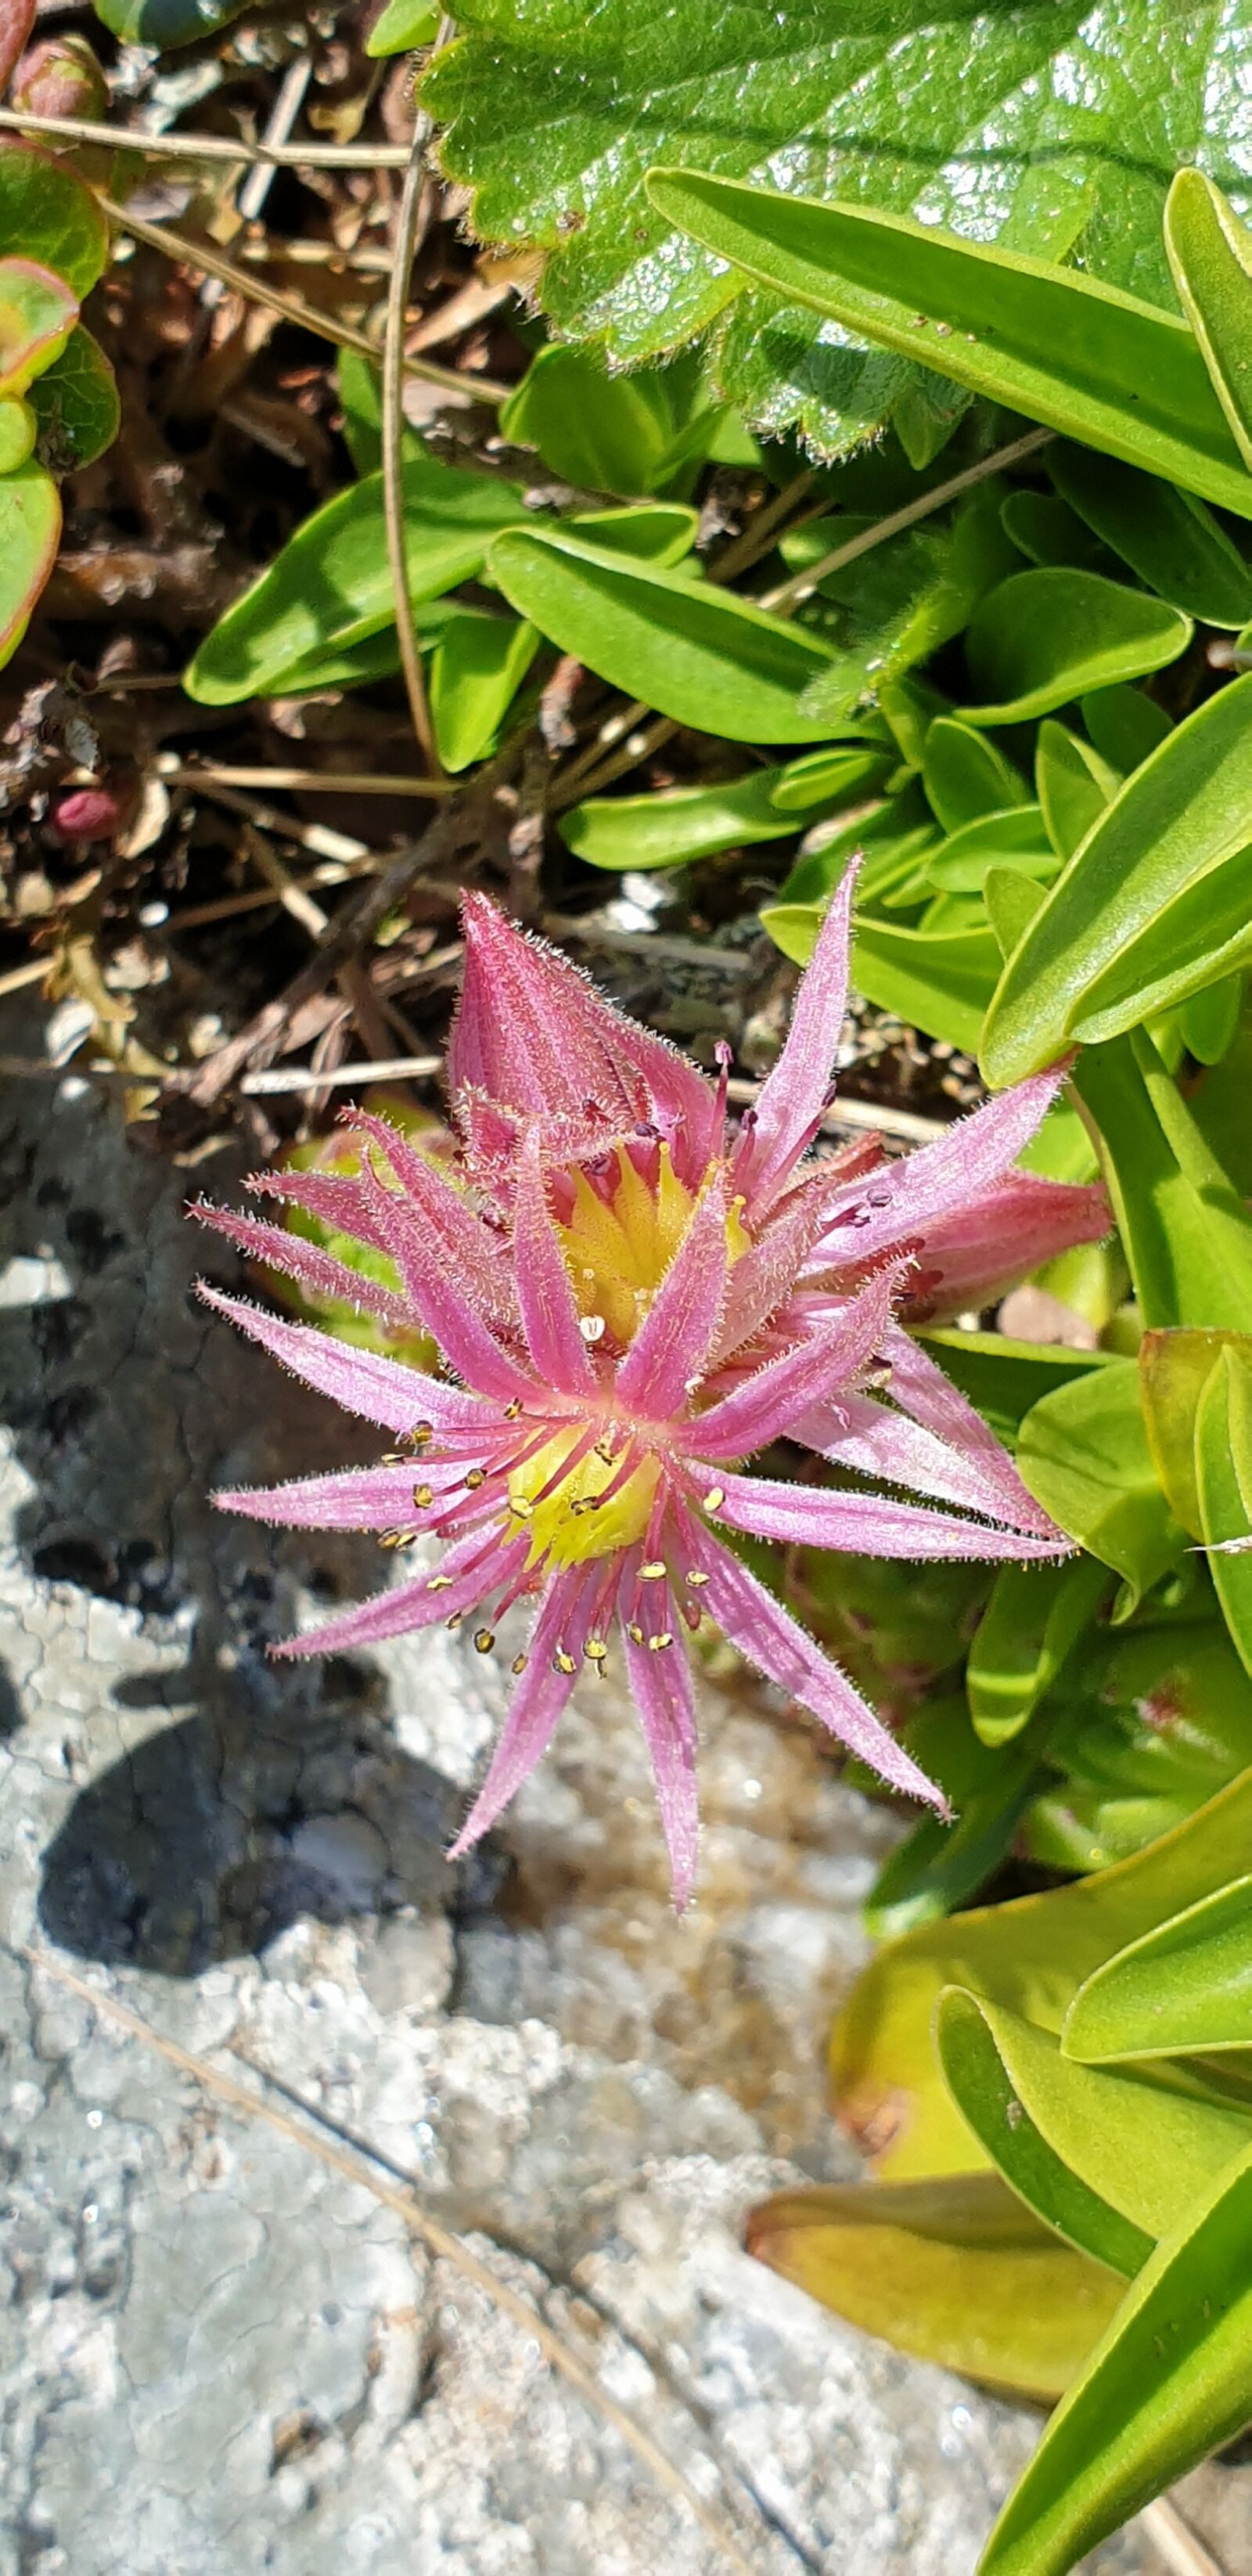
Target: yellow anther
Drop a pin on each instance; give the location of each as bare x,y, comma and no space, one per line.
563,1663
636,1632
654,1572
422,1495
695,1578
513,1411
595,1650
519,1664
440,1583
714,1499
657,1644
484,1639
477,1476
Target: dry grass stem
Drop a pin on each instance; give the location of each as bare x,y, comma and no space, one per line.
210,147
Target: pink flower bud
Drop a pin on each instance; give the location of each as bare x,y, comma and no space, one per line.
96,813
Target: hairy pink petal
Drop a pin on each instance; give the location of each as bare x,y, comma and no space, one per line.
902,1198
972,1255
795,1093
772,1640
563,1625
379,1390
675,1339
544,1289
920,1388
766,1405
316,1271
471,1572
444,1298
873,1438
359,1498
436,1214
763,1278
332,1197
661,1687
867,1524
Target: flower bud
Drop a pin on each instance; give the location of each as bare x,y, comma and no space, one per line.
60,77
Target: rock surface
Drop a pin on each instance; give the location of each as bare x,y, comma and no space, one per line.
221,2357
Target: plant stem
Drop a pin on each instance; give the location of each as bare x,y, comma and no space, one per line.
209,147
411,223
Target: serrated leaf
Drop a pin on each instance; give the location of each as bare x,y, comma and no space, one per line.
1170,2381
1031,1955
30,532
329,588
700,654
1154,904
1183,1989
76,405
955,2271
50,214
1078,356
1044,636
1013,123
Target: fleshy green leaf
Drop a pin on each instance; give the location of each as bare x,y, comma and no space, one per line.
955,2271
1174,1369
30,532
685,823
1183,1989
1054,343
1211,258
1083,1451
37,314
51,213
1147,1724
702,655
1015,839
403,26
1111,2162
1223,1471
479,663
1073,785
1004,1378
902,600
602,433
1185,1228
966,776
1170,2381
1044,636
937,980
1015,123
1154,904
1125,725
329,589
1209,1022
1035,1616
940,1865
1031,1955
1047,531
76,405
1168,538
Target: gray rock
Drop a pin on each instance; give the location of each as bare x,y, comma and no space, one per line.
221,2357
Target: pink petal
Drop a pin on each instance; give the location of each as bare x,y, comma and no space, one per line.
533,1034
377,1389
901,1199
772,1640
921,1389
867,1524
763,1278
432,1209
563,1625
544,1289
971,1256
443,1293
314,1270
673,1343
360,1498
798,1088
765,1406
661,1687
472,1572
873,1438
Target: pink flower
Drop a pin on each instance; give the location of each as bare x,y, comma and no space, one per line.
633,1299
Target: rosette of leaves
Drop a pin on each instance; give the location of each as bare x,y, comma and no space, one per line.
58,400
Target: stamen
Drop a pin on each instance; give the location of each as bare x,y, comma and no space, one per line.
605,1450
518,1664
440,1583
484,1639
714,1498
477,1476
591,1327
513,1411
397,1538
654,1573
634,1630
563,1663
421,1433
520,1508
595,1650
422,1496
455,1620
658,1644
695,1578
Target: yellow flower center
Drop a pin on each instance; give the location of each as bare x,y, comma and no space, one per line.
571,1524
617,1250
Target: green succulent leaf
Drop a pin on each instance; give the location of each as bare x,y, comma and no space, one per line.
166,22
37,314
965,776
903,599
702,655
1083,1451
1073,785
30,532
1044,636
50,215
1033,1620
1210,254
1005,1378
955,2271
1174,1369
1149,1722
478,665
1077,355
1014,123
402,27
684,823
602,433
1185,1227
1155,903
329,589
1184,1989
1031,1955
1015,839
75,402
1169,539
1223,1475
1170,2381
